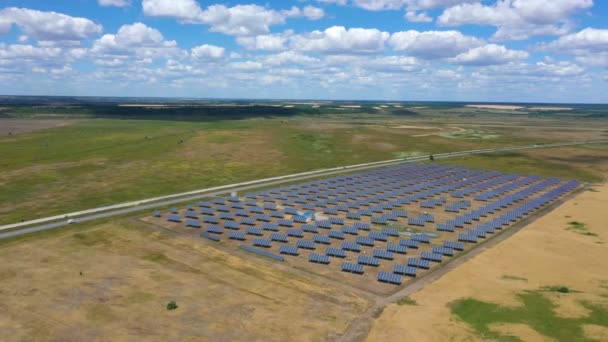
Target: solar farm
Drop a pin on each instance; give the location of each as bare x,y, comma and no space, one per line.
376,230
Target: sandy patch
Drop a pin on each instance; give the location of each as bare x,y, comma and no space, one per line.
540,254
596,332
350,106
522,331
416,127
507,107
16,126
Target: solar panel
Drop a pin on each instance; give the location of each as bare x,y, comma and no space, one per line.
310,228
290,250
390,278
365,241
209,236
404,270
352,268
335,252
270,226
236,236
350,246
367,260
174,218
396,248
278,237
295,233
254,231
420,263
193,223
306,244
334,234
382,254
350,230
318,258
431,256
261,243
214,229
210,219
157,213
322,239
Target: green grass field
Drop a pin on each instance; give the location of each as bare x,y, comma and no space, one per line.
93,162
536,310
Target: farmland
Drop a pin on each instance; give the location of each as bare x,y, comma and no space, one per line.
112,279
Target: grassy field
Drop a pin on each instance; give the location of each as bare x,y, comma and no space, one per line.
91,162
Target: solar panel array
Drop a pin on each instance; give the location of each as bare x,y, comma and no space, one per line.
400,218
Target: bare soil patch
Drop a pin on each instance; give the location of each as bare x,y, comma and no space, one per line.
16,126
507,107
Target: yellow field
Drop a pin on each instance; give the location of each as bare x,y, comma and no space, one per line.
129,273
548,252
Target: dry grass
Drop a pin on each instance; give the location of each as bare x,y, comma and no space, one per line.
542,254
129,274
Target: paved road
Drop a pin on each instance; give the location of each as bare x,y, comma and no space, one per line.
151,203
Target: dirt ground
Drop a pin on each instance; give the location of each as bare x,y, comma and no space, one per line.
112,282
545,253
16,126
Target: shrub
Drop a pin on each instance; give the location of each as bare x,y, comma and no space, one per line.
172,305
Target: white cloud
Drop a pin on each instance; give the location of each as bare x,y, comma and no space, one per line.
433,44
590,46
313,13
268,42
420,17
247,66
339,40
21,51
207,52
115,3
488,55
239,20
517,19
290,58
48,26
135,39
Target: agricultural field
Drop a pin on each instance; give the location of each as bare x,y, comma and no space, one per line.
87,158
115,279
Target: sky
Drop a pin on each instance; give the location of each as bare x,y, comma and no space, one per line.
394,50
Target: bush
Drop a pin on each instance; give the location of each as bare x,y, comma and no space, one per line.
172,305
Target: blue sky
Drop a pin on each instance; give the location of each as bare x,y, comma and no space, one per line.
448,50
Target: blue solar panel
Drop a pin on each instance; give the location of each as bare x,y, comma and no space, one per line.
443,250
352,268
382,254
392,247
210,219
335,252
334,234
236,236
361,226
214,229
209,236
193,223
390,278
261,243
254,231
350,230
270,226
247,221
364,241
174,218
190,214
431,256
295,232
157,213
404,270
306,244
310,228
318,258
421,238
415,262
368,260
290,250
322,239
278,237
350,246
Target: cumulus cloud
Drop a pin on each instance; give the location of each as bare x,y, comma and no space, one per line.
268,42
239,20
48,26
339,40
590,46
433,44
207,52
137,40
517,19
115,3
290,58
488,55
